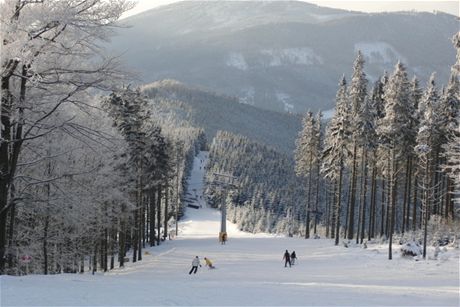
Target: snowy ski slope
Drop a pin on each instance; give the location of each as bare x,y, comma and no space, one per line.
250,272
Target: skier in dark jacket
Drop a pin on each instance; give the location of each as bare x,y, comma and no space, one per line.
287,259
293,257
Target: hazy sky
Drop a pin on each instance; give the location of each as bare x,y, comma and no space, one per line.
451,7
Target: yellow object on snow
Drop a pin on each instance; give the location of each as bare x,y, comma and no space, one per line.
208,262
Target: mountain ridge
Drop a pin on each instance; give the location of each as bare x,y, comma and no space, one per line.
214,112
281,59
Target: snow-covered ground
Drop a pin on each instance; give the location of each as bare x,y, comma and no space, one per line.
249,271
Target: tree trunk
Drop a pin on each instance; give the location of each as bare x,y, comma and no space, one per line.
45,245
405,196
144,221
11,229
152,201
140,208
426,204
414,202
82,264
135,234
5,127
159,215
95,259
113,245
393,187
351,218
449,191
333,209
372,211
409,192
339,196
122,242
327,213
106,248
437,183
317,197
307,223
363,196
382,208
347,214
166,216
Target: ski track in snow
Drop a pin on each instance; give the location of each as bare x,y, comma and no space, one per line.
249,272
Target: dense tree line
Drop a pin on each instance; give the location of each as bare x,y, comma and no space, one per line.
385,164
86,178
384,155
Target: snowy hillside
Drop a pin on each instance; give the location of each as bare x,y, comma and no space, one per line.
256,49
214,112
250,271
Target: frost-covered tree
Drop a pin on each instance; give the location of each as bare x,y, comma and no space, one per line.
449,115
51,56
411,189
456,41
427,141
357,95
366,139
336,151
378,165
452,150
392,129
319,180
307,156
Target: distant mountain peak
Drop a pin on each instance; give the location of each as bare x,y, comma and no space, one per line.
280,55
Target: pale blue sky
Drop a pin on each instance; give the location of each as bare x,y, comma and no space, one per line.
450,6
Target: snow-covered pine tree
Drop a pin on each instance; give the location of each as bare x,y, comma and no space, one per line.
415,96
452,151
449,111
456,41
357,95
319,181
378,105
336,152
366,139
307,157
409,142
128,110
392,129
427,141
450,104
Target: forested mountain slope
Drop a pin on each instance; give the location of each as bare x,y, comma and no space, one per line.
213,112
279,55
270,198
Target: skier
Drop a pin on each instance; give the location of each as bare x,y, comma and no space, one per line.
287,259
224,238
293,257
195,264
209,263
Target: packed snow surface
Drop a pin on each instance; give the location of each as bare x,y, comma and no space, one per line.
249,272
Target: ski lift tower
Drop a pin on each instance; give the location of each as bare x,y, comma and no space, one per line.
224,181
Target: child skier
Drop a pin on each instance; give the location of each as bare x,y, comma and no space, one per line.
209,263
293,257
